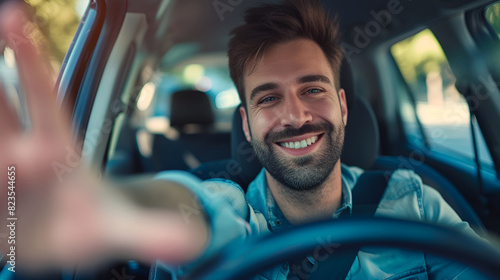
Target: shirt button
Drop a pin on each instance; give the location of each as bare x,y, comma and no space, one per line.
278,222
285,266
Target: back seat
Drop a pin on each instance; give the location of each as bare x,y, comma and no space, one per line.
193,140
189,140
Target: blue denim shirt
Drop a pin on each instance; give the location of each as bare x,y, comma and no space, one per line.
234,215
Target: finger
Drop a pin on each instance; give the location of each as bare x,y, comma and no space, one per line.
34,70
9,124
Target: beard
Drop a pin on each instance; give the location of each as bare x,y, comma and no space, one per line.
305,172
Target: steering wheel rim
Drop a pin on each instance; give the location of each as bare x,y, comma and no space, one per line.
264,252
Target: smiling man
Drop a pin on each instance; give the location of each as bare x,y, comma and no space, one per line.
285,62
294,118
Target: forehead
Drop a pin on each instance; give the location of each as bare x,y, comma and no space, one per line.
283,63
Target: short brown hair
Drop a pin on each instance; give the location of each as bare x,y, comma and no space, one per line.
272,24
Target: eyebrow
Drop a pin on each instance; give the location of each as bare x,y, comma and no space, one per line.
263,87
313,78
300,80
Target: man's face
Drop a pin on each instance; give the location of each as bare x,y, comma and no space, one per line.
294,113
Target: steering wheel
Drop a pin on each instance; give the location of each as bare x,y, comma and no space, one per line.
246,259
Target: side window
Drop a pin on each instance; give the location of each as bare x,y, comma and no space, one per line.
56,24
492,16
434,112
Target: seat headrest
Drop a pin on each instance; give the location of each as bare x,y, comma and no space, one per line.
190,107
347,83
361,141
242,152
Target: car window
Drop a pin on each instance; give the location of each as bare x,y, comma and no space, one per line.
434,112
51,30
492,16
57,23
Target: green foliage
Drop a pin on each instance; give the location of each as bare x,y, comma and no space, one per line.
57,22
492,15
419,54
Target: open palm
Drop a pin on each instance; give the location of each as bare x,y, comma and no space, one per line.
74,218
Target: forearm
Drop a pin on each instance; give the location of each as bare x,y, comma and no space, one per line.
86,222
166,200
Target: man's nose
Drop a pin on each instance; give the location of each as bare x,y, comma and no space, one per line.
295,112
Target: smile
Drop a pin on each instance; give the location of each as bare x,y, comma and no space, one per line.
299,144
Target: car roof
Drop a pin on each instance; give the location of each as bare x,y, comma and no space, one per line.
209,22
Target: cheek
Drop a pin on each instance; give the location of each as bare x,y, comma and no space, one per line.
327,109
262,122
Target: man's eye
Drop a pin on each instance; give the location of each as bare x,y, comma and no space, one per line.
267,99
313,91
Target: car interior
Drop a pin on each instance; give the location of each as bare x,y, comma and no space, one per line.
148,84
193,132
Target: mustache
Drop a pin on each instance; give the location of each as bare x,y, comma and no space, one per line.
275,136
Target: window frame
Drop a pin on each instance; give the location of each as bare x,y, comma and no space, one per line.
428,145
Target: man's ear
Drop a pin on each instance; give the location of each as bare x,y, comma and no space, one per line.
343,105
244,120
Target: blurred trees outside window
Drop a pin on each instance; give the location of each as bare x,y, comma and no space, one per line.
57,22
441,110
492,15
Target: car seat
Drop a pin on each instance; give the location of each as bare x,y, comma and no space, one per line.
193,141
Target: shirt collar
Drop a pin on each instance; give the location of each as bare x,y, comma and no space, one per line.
260,198
345,208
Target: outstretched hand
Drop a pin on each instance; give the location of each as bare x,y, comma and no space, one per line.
77,219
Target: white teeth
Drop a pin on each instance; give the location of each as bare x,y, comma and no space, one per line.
300,144
303,144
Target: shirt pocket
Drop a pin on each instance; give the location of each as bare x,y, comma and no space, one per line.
412,274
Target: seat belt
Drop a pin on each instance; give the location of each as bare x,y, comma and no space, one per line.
366,196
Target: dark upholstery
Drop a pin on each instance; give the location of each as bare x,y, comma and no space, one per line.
361,141
190,107
243,165
242,152
173,154
347,83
